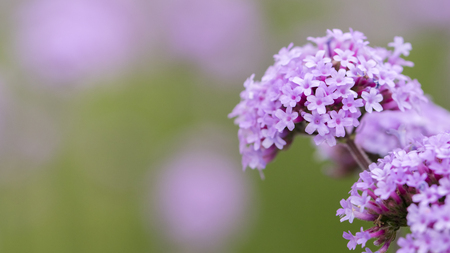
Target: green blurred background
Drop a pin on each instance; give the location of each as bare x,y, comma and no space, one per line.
80,166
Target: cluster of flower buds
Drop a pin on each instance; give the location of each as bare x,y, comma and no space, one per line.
380,133
408,187
321,90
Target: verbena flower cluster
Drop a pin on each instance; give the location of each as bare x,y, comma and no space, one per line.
383,132
321,90
408,187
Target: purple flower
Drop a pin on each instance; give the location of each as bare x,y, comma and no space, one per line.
424,14
352,240
339,121
385,131
415,179
200,182
439,143
286,55
387,76
346,212
400,47
367,181
362,237
344,57
443,218
345,91
406,245
385,188
286,119
372,100
291,96
319,41
399,177
312,61
419,217
329,138
338,78
422,203
275,140
440,167
322,69
401,96
319,101
361,201
317,122
381,173
429,195
305,82
444,186
440,242
350,104
204,33
66,41
252,158
354,71
339,35
368,66
355,116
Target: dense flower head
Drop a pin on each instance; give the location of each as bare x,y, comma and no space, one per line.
383,132
321,90
408,187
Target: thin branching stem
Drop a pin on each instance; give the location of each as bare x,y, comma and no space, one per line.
358,154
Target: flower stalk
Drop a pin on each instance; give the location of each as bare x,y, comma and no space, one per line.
358,154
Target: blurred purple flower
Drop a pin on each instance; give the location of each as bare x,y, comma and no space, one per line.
383,132
222,36
415,12
202,199
66,40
